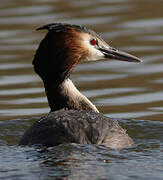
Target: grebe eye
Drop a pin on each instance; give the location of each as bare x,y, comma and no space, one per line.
93,42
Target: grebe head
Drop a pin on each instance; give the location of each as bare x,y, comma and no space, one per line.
66,45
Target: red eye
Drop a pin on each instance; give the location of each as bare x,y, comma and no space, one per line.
93,42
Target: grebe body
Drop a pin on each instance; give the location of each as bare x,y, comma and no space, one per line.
73,118
73,126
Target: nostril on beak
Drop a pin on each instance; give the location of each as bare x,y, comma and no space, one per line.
113,49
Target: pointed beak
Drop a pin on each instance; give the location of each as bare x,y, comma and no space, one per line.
112,53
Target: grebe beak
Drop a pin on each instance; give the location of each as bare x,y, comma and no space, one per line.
113,53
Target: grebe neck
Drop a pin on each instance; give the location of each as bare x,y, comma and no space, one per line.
66,95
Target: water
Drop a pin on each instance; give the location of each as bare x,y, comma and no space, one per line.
118,89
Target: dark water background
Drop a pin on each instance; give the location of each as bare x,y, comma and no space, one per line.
118,89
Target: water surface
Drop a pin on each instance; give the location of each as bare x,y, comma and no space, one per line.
118,89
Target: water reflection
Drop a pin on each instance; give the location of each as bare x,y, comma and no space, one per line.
139,34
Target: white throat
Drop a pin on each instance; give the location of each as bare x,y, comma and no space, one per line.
69,90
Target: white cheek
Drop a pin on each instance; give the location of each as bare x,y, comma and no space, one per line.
94,54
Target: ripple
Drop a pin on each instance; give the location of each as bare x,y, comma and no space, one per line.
31,19
158,81
136,99
24,111
157,109
145,23
111,91
92,20
26,100
148,69
131,115
93,77
106,9
11,33
81,3
151,38
114,1
6,80
18,47
143,48
21,91
26,10
14,65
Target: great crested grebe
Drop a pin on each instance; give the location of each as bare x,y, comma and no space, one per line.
73,118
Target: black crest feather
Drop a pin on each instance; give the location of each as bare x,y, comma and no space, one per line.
61,27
